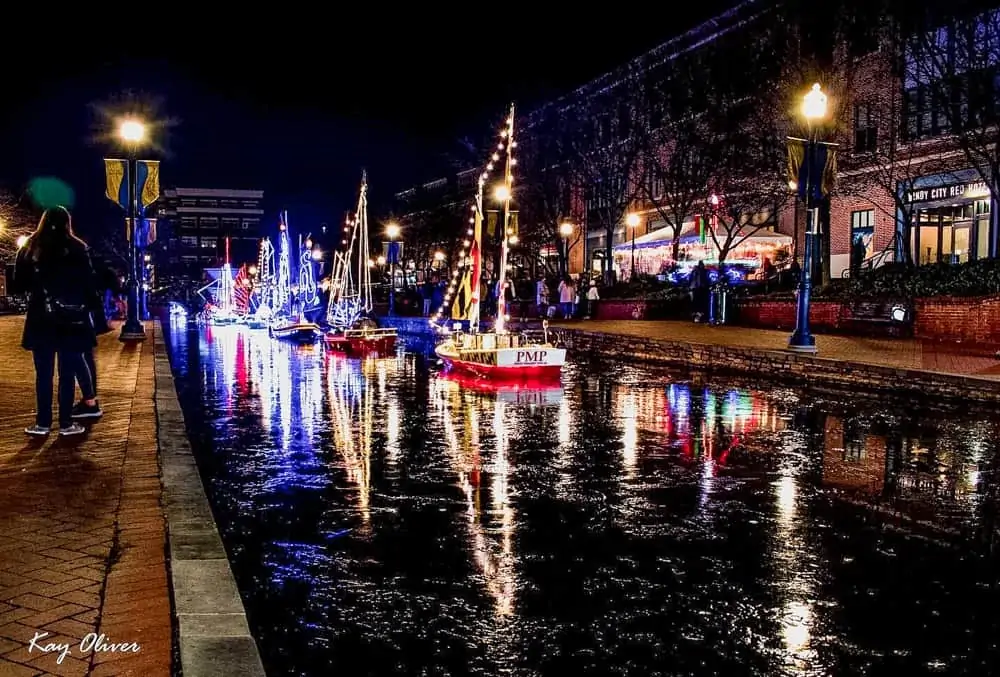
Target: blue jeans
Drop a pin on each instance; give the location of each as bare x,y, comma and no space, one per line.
567,309
71,367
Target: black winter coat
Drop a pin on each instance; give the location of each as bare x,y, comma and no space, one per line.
67,276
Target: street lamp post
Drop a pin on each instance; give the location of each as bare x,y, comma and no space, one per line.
565,230
632,221
132,132
392,232
813,110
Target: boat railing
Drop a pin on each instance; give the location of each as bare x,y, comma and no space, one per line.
372,333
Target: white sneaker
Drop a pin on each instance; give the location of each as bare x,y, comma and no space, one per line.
37,431
72,429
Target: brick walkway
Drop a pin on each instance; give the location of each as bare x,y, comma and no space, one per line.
895,353
82,533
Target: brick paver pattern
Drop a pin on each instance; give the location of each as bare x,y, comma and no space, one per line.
82,530
887,352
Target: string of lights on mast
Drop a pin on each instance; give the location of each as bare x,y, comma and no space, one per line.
504,148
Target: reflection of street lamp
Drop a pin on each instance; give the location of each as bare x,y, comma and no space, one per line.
565,231
133,133
392,232
813,110
632,221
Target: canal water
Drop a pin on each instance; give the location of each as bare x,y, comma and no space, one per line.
383,519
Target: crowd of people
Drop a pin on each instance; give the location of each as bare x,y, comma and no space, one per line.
66,311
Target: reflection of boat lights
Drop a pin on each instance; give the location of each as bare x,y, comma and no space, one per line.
630,432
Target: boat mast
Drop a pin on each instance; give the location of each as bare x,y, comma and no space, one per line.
476,252
508,185
364,271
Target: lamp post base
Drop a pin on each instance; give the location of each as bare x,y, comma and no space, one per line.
802,343
132,334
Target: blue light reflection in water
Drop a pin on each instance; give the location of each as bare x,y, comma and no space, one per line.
382,519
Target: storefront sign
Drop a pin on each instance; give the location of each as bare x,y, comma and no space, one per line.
958,191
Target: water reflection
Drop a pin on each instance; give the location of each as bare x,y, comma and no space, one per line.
626,522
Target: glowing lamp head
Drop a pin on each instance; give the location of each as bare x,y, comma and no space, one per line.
439,256
793,185
252,270
317,254
132,131
380,260
21,241
632,220
814,104
566,229
502,193
713,200
392,231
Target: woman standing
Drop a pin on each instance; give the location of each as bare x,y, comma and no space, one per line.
54,270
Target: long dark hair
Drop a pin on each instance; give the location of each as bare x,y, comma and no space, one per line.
54,235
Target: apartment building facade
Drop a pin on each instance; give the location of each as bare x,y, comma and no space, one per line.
199,222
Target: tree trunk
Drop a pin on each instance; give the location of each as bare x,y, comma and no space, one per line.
609,255
676,245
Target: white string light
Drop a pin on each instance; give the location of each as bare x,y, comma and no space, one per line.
506,133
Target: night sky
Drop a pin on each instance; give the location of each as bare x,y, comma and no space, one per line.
298,113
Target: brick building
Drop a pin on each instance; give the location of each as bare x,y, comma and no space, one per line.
906,187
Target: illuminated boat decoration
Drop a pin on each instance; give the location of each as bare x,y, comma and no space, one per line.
288,320
496,354
301,331
353,330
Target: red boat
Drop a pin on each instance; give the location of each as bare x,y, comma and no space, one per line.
366,341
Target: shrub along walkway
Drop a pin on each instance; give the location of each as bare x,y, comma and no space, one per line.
82,532
887,352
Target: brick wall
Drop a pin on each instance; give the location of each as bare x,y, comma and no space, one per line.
782,366
972,321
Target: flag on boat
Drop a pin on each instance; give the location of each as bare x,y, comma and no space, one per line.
241,291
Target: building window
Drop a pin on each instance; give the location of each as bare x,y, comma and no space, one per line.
654,184
951,234
209,222
188,203
250,224
249,205
189,222
230,224
208,243
189,241
209,203
865,129
862,237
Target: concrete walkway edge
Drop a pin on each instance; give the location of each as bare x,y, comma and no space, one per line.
214,637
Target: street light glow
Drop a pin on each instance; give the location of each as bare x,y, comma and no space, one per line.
814,104
632,220
566,229
392,231
439,256
132,131
502,193
380,260
21,241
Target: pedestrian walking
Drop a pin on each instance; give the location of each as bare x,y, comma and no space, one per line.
593,296
54,270
567,296
699,291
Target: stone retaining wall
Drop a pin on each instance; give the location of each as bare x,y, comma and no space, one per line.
782,366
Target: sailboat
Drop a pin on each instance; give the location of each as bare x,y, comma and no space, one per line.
352,328
262,288
495,354
220,310
288,320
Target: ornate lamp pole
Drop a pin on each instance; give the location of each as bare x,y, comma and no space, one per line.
392,233
133,133
813,110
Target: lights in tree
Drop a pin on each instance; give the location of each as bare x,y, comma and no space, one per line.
503,192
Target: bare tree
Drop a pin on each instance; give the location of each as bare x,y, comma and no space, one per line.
749,187
951,64
605,149
678,146
16,221
545,196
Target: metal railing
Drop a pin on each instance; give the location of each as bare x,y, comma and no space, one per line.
887,255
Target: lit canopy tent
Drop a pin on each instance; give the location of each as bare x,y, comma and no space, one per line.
654,251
